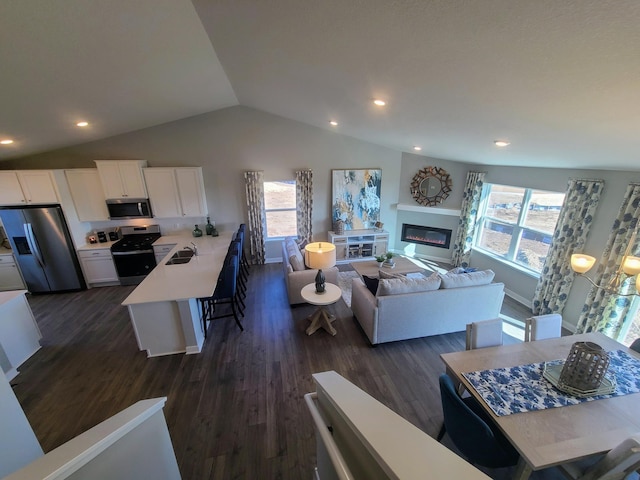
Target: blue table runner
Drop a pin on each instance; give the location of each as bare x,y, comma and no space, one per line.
524,389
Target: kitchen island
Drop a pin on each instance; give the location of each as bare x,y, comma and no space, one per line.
164,309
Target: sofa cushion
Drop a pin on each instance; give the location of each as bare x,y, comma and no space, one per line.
395,286
295,255
371,283
384,274
470,279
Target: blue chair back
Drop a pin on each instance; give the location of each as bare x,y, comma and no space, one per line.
470,433
226,287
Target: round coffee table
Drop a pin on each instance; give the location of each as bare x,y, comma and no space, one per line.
321,318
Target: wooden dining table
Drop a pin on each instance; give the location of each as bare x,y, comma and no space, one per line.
553,436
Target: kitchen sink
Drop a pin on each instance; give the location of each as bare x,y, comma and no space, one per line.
178,261
183,254
180,257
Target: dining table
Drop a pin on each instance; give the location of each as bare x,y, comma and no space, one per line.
560,428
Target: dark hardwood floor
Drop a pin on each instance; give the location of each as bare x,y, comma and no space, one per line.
235,410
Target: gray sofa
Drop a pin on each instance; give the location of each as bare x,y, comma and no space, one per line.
421,314
296,275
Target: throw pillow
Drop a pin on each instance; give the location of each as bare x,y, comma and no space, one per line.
470,279
295,256
395,286
371,283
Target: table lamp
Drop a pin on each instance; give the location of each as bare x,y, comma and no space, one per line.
320,255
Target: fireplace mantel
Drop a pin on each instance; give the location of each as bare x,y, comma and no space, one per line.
433,210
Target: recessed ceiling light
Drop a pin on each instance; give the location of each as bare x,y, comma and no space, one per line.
7,141
333,123
501,143
82,124
380,103
417,148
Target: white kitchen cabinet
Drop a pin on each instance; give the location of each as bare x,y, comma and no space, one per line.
161,251
86,192
176,192
97,265
122,178
26,187
10,278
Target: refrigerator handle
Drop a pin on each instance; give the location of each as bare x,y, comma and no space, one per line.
33,245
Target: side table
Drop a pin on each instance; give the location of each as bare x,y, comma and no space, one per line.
321,318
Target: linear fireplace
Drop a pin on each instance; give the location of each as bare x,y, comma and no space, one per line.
434,237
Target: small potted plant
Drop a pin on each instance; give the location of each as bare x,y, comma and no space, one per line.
389,259
380,259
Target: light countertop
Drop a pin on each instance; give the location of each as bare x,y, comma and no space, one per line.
94,246
6,297
196,279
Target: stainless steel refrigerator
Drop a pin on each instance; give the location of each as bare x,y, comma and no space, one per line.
42,246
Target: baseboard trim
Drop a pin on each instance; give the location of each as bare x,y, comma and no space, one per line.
518,298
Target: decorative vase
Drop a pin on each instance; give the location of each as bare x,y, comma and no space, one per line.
197,232
320,282
209,228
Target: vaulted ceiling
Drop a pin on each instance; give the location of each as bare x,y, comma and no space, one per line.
560,80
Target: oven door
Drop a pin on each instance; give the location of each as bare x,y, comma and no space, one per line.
134,266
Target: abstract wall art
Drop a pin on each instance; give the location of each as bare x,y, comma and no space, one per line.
356,197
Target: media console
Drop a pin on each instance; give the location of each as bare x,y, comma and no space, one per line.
354,245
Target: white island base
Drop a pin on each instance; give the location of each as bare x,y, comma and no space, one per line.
164,308
165,328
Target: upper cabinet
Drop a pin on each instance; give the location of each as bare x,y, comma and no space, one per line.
176,192
86,192
122,178
25,187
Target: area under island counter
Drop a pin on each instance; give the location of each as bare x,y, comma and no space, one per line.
164,309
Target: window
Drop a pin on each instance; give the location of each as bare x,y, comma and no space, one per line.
280,208
517,224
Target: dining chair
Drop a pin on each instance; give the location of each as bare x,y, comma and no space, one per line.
635,346
472,431
617,464
541,327
485,333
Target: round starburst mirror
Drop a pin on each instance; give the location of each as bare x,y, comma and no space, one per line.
431,186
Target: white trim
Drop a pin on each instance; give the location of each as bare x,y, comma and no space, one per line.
518,298
432,210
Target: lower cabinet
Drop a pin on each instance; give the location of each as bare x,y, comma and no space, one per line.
10,278
97,265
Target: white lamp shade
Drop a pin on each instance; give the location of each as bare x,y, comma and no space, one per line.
631,265
582,263
320,255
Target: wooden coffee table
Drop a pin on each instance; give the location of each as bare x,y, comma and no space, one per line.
402,265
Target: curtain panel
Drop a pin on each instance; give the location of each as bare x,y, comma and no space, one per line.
468,219
304,202
571,232
605,312
254,185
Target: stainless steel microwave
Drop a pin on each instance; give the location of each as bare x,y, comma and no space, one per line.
120,208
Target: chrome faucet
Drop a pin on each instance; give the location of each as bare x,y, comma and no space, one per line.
194,249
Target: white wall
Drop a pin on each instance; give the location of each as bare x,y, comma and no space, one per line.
227,142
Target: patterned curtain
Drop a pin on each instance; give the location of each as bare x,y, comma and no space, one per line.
605,312
304,201
570,235
254,183
468,219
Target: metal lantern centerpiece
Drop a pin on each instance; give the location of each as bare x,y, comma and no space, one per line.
584,371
